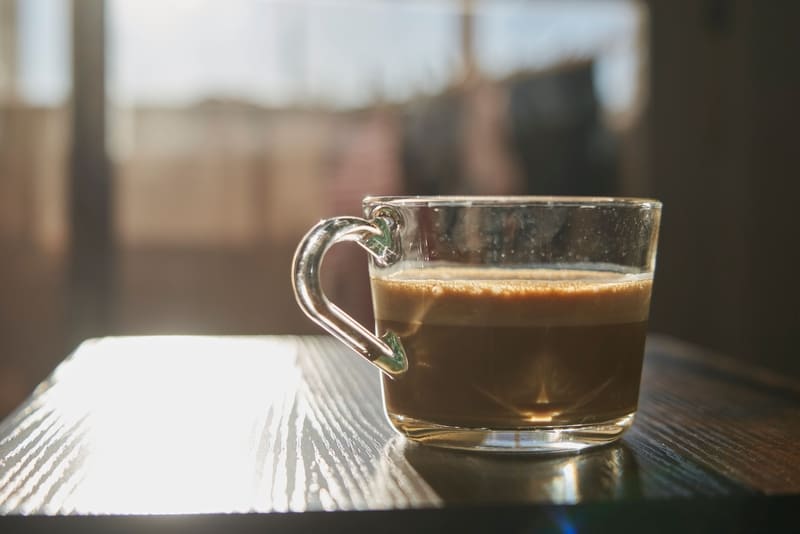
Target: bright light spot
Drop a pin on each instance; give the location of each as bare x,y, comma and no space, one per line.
564,487
539,418
173,422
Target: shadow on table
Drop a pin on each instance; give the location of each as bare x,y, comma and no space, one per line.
608,473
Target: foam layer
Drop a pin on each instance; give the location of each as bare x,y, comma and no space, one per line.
511,297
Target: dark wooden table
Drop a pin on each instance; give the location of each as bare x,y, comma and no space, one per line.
230,432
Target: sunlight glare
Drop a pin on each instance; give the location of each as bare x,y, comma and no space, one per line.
173,422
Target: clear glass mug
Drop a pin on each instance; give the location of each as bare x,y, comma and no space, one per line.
502,323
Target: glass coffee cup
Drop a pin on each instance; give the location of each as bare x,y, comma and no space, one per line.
502,323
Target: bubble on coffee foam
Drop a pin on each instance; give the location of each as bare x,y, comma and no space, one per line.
497,287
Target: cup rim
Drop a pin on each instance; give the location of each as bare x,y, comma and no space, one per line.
511,200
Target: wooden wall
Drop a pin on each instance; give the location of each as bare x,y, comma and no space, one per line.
723,137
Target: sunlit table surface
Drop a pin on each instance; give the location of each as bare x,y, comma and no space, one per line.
242,429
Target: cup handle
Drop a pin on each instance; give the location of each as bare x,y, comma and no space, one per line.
376,236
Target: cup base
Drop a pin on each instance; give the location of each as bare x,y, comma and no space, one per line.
561,439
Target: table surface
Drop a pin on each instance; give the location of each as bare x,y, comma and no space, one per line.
214,425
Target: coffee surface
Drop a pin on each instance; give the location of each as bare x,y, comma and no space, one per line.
514,348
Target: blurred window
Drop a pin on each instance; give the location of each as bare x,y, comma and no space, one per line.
348,53
43,52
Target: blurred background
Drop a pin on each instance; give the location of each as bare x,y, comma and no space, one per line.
160,159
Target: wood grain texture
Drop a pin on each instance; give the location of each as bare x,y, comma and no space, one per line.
736,420
162,425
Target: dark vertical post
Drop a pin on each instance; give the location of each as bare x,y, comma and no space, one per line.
8,50
469,62
90,215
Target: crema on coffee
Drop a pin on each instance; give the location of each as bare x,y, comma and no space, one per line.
514,348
